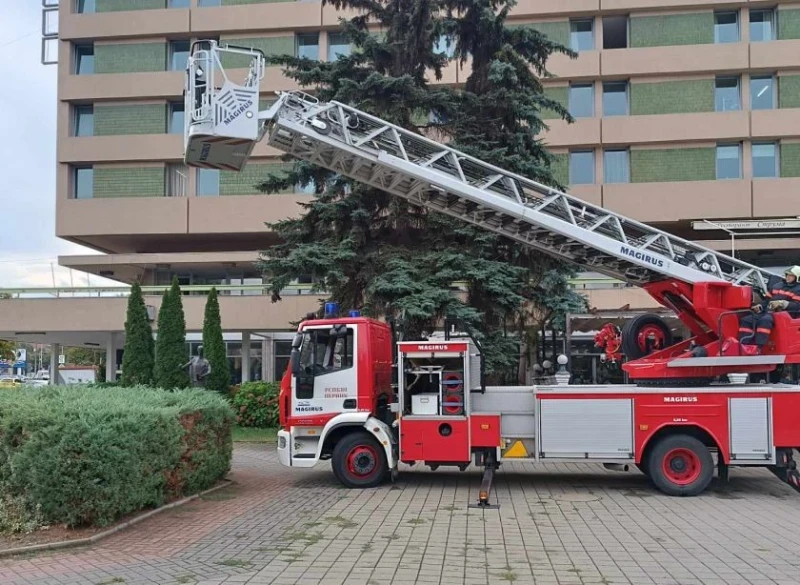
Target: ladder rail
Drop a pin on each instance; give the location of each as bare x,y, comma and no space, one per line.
397,150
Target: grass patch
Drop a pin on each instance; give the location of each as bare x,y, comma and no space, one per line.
112,581
309,539
509,576
218,496
238,563
185,579
341,522
416,521
254,435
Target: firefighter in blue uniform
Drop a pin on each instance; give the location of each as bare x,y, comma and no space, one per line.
783,295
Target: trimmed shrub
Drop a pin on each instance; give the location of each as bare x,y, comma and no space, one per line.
138,359
171,354
214,346
82,455
256,404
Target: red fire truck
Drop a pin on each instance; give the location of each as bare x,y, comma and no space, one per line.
358,395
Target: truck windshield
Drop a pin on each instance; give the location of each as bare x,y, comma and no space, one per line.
323,352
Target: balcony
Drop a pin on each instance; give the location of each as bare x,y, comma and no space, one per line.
105,86
614,5
680,201
582,132
123,148
782,123
776,197
675,59
235,214
129,23
774,55
78,218
540,8
257,17
585,65
663,128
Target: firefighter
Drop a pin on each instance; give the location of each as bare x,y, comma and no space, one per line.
784,295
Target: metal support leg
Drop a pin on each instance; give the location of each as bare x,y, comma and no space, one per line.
786,468
490,466
722,470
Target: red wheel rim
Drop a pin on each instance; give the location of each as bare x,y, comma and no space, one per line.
653,332
681,466
362,461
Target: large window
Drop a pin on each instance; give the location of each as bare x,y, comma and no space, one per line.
283,354
83,183
337,45
581,167
581,100
207,182
729,161
84,121
446,46
616,166
615,98
177,180
726,27
615,32
762,92
727,96
762,25
176,117
308,45
84,59
581,34
178,55
765,160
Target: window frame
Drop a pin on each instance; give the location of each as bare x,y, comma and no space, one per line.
330,56
626,85
79,53
738,146
773,24
592,33
297,45
201,171
171,53
738,79
572,86
738,19
606,152
776,159
76,170
77,111
172,107
593,167
774,81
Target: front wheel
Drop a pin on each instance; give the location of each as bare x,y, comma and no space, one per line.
359,461
680,465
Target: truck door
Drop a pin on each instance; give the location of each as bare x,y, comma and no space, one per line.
326,373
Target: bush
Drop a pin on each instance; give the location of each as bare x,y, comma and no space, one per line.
256,404
82,455
138,359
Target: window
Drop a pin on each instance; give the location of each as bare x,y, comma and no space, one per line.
83,180
446,46
726,27
726,94
729,164
581,34
86,6
762,92
615,98
208,3
207,182
176,117
581,100
323,353
765,160
308,46
615,32
308,188
762,25
84,59
616,166
84,121
178,4
337,45
178,55
581,167
282,350
177,180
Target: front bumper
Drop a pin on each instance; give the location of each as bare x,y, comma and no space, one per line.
285,448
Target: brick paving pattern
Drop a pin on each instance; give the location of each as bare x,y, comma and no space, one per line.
558,524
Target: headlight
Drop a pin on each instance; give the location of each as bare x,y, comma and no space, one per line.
281,442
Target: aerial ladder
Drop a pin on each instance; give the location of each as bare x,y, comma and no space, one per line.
707,290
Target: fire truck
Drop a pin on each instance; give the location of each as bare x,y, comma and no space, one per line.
358,394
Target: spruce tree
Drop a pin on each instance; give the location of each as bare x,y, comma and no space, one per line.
171,354
372,251
214,345
138,359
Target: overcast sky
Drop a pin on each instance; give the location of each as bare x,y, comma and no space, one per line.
28,244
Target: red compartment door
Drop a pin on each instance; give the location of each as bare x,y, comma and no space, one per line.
439,440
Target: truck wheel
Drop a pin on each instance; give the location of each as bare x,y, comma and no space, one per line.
680,465
359,461
642,329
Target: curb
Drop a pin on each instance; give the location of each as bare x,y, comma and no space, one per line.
8,552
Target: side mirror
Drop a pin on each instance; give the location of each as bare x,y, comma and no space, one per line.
295,361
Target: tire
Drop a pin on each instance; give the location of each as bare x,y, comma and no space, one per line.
680,465
359,461
630,334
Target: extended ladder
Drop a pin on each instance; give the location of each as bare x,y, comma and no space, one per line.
370,150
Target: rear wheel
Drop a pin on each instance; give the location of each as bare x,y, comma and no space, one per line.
680,465
644,334
359,461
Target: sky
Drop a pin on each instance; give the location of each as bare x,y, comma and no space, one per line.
28,245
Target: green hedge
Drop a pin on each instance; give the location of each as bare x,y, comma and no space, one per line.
83,455
256,404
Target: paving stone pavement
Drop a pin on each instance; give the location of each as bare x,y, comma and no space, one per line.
557,524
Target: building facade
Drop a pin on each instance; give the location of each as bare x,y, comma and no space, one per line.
687,116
